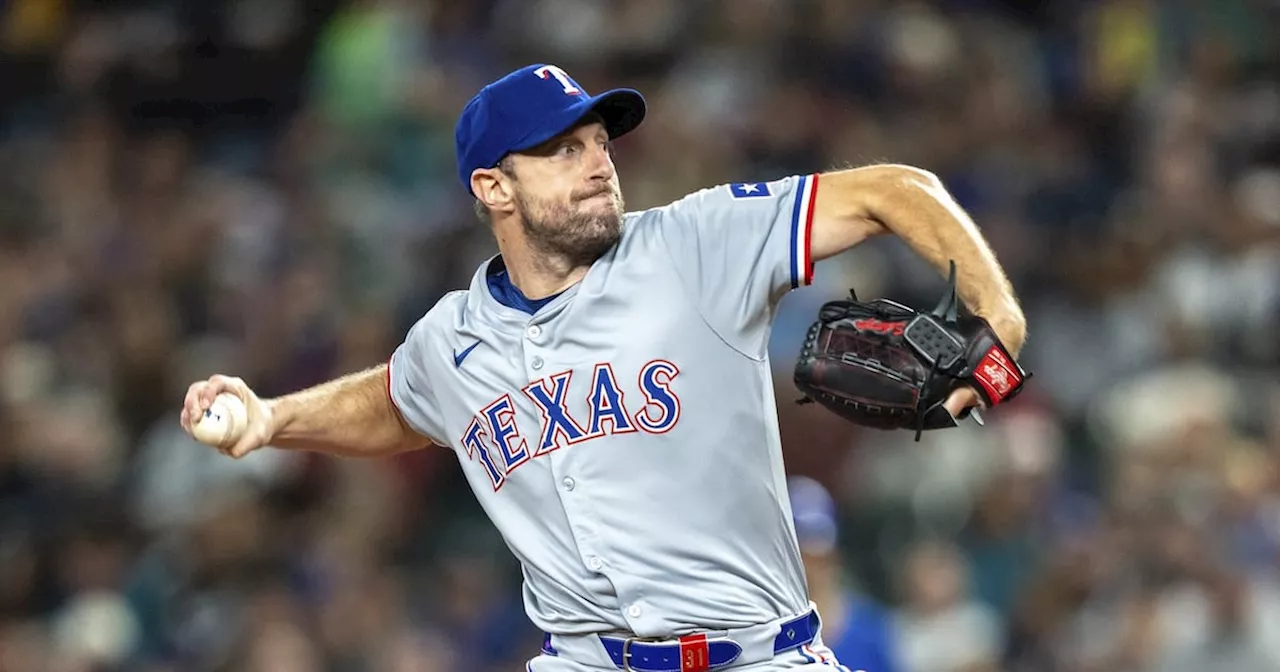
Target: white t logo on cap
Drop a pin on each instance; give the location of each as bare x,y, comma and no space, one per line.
560,75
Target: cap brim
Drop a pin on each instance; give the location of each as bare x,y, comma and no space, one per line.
622,110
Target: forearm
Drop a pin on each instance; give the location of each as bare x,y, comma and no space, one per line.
915,206
352,416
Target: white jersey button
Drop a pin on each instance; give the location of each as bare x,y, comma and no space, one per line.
536,363
595,563
534,331
634,611
568,483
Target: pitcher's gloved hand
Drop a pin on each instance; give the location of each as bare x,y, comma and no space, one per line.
881,364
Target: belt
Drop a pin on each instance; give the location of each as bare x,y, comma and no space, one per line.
695,653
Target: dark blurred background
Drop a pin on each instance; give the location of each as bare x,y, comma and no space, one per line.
265,188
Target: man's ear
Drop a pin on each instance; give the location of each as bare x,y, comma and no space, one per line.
493,189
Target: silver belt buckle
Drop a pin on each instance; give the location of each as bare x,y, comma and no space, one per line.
626,655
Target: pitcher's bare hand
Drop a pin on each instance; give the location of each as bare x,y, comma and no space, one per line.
257,431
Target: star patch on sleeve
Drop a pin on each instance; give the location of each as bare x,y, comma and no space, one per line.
749,190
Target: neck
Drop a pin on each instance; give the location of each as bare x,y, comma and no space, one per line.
538,274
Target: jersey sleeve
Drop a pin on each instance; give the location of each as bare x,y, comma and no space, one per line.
739,248
409,383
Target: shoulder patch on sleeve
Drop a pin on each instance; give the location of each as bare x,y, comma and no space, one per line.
749,189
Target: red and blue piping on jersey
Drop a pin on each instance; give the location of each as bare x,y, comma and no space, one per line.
812,655
802,231
495,438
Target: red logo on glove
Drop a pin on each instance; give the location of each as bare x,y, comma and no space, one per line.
997,375
879,327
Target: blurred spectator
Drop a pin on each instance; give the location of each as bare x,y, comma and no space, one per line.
940,627
857,630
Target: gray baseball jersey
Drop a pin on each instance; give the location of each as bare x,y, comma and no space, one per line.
624,437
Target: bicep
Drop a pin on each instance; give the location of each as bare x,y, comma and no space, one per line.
847,208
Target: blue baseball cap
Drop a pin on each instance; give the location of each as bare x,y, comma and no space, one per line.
814,513
530,106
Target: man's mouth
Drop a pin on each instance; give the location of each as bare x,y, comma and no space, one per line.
606,192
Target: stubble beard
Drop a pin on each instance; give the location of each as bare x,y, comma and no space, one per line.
569,235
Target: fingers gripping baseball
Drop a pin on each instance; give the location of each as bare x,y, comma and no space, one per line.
225,413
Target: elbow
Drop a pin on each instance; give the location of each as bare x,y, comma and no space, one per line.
915,178
899,178
893,193
909,184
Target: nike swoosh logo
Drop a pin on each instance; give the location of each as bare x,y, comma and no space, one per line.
459,356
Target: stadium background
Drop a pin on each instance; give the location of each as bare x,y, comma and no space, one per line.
265,187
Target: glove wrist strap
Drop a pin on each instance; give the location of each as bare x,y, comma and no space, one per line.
998,375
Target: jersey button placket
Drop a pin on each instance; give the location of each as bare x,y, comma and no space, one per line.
532,332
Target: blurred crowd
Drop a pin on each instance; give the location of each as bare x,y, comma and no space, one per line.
264,188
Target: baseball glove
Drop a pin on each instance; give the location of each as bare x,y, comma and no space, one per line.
881,364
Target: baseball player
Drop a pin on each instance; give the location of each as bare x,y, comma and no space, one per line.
605,385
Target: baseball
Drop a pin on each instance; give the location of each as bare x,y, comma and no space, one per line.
223,422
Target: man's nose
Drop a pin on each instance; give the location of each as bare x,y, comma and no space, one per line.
601,163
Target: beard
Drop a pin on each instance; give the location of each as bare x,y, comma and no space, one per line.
577,237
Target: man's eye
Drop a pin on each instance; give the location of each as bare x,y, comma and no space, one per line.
567,149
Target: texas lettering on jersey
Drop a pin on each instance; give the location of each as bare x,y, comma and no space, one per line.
653,369
495,439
